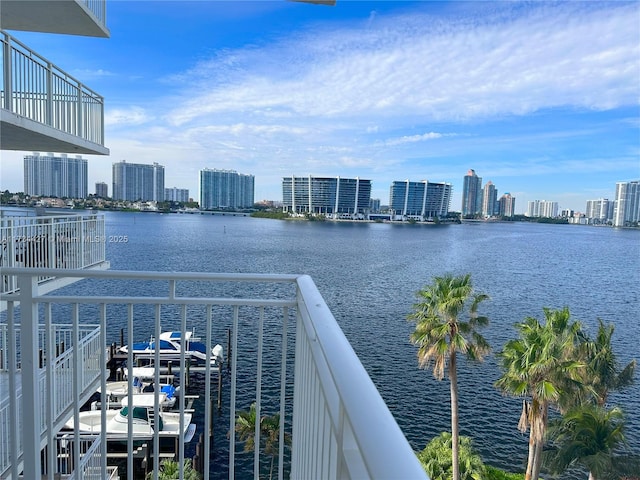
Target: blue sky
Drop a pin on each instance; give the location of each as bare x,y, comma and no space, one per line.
540,98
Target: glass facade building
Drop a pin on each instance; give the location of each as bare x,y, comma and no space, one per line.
326,195
507,205
51,176
138,182
472,194
225,189
420,199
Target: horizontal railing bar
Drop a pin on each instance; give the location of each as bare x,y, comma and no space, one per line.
250,302
157,276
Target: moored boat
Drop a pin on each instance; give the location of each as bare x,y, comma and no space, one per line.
144,423
116,392
170,348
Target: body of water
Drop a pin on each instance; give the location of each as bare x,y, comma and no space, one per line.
368,274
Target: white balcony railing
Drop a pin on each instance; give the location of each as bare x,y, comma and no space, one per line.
34,88
98,8
288,355
57,371
72,242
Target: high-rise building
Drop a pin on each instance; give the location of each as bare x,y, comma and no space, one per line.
489,200
51,176
472,194
176,194
374,205
225,189
507,205
326,195
420,199
627,203
102,190
542,208
138,182
599,211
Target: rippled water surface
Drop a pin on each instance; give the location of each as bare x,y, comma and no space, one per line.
368,274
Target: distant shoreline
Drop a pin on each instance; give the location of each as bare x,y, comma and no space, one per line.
279,216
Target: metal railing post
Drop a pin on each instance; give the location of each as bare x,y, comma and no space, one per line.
101,140
50,345
28,285
79,126
12,361
7,69
49,93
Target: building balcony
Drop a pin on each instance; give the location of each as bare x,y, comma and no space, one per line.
68,360
287,355
71,17
66,242
43,108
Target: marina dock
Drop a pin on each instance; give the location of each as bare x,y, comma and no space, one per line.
169,371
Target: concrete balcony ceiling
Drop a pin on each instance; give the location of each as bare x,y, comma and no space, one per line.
72,17
21,133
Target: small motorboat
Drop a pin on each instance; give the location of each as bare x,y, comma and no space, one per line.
143,420
170,346
143,394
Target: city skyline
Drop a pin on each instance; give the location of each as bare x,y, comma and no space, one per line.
419,90
475,196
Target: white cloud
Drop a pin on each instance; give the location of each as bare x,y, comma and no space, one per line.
126,116
544,57
92,74
415,138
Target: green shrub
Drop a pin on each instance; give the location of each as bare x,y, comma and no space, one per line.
493,473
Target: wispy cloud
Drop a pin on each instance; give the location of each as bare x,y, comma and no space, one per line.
85,74
119,117
417,138
513,63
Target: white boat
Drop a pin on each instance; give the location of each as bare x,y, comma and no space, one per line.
171,349
144,424
142,392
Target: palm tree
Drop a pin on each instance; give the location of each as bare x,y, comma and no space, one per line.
170,469
541,367
245,427
269,430
602,373
436,459
440,335
587,436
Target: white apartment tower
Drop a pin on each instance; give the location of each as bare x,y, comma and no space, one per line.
138,182
489,199
627,203
507,205
542,208
599,211
55,176
175,194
